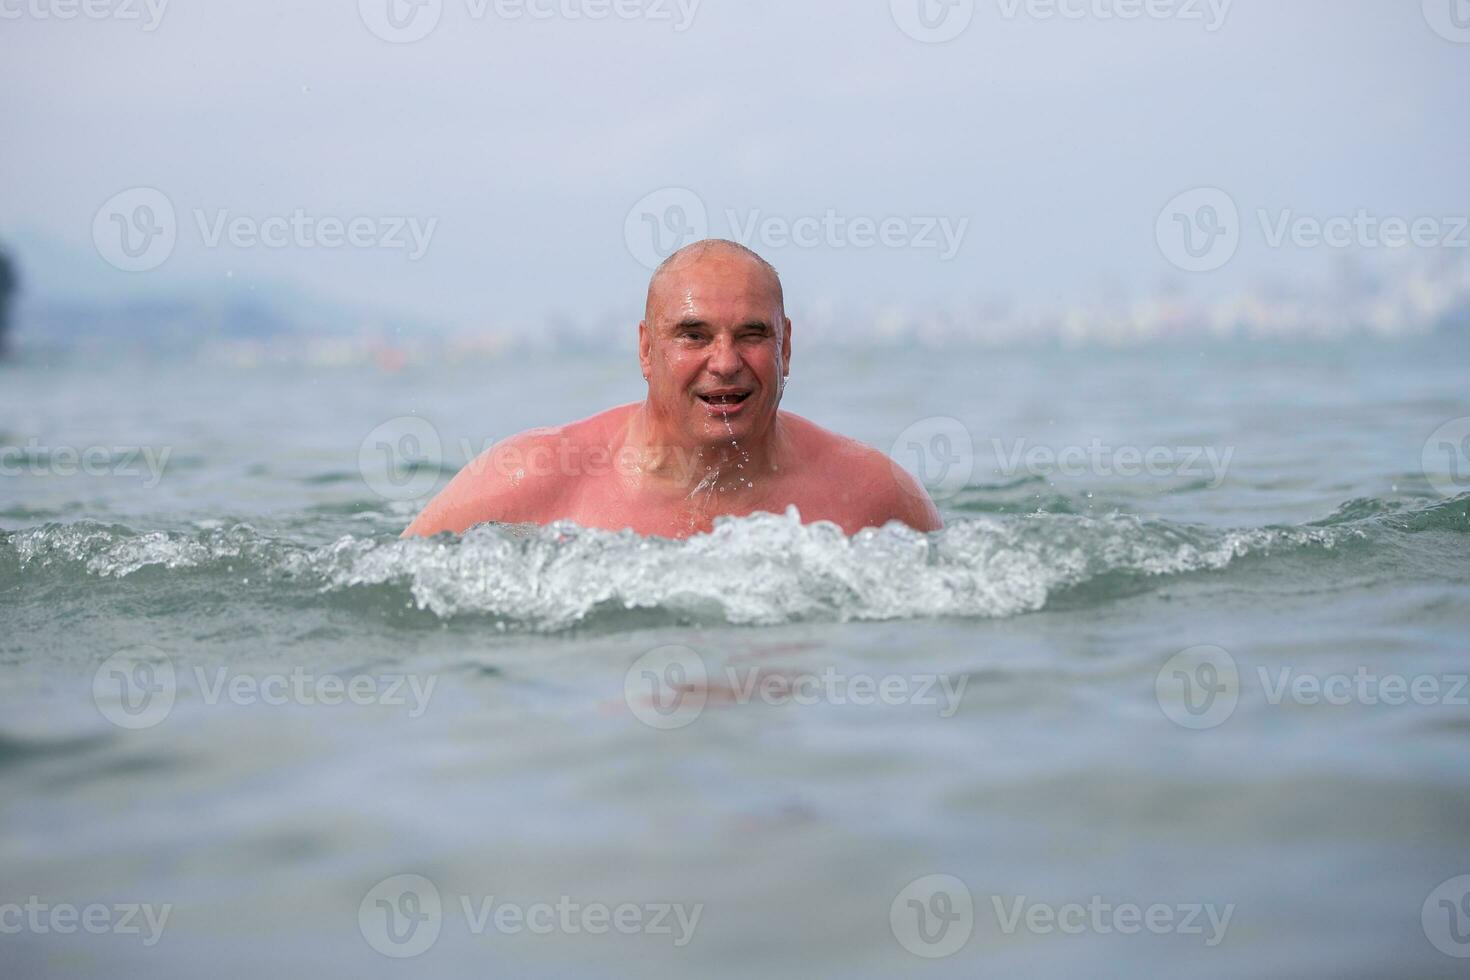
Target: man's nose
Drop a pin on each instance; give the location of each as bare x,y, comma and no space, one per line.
724,359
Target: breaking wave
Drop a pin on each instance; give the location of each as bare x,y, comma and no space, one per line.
763,569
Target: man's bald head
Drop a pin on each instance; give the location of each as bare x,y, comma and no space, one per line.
716,248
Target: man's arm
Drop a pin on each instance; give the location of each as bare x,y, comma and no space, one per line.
504,483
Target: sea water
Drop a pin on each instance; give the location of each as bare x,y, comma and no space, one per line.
1178,690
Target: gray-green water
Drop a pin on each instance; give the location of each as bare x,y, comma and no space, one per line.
772,728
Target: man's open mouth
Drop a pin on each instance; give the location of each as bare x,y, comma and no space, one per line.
724,397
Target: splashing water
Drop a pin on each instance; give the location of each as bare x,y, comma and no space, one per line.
760,569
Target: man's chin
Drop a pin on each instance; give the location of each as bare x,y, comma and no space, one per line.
722,413
715,427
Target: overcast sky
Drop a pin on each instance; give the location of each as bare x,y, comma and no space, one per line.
1030,155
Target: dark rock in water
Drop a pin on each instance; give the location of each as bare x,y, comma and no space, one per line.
8,283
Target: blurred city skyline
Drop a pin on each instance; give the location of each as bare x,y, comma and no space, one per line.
523,163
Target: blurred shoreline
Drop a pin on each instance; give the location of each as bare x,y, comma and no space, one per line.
249,326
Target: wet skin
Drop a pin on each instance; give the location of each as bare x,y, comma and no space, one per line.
709,440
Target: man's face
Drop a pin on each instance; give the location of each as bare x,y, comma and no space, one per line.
715,347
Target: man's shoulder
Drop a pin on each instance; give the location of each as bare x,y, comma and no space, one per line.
522,478
538,459
889,492
821,447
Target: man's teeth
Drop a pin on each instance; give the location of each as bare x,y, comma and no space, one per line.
725,399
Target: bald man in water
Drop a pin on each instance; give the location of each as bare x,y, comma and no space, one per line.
708,440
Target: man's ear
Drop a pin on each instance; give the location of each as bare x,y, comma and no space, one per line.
786,348
644,349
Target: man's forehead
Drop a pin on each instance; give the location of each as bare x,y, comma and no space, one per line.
711,284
